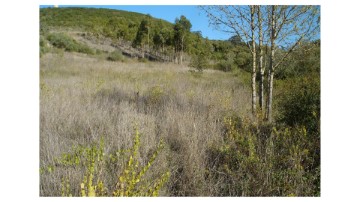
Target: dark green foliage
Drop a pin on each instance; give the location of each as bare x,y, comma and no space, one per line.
231,54
221,50
300,102
116,27
116,56
62,41
143,33
144,60
181,32
199,62
259,160
299,105
225,65
43,46
162,38
44,29
200,49
236,40
243,58
303,60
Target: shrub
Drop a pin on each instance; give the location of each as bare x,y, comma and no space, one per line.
85,49
303,60
94,160
42,41
116,56
43,46
199,62
143,60
155,96
99,52
256,160
130,179
225,65
62,41
299,104
243,60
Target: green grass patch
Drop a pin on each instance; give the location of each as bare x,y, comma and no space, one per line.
116,56
63,41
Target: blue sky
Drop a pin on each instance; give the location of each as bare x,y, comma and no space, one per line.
197,18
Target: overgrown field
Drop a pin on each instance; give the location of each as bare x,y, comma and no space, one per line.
147,129
85,99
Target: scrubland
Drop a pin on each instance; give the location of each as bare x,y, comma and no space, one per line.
85,99
114,126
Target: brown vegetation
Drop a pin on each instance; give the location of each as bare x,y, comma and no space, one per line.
85,98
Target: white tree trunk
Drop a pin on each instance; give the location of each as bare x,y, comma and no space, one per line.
253,76
261,66
181,58
271,68
182,49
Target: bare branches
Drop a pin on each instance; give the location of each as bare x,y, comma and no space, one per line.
299,22
279,27
231,19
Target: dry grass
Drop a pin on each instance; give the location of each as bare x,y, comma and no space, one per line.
85,98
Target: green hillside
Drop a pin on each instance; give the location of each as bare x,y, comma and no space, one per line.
153,36
112,23
145,31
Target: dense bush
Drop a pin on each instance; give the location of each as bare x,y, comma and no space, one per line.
43,46
303,60
225,65
243,59
259,160
62,41
299,104
116,56
199,62
143,60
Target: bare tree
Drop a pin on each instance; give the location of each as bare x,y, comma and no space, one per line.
285,26
261,58
289,25
240,21
253,50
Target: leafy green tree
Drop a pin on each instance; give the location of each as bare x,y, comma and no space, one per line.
142,35
200,51
242,57
161,38
305,59
111,28
199,62
236,40
181,32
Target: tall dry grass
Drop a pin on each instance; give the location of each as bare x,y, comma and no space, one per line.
85,98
